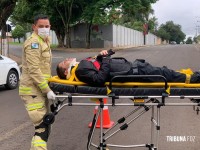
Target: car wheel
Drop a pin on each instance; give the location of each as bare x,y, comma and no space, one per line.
12,80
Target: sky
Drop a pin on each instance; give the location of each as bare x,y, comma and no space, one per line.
183,12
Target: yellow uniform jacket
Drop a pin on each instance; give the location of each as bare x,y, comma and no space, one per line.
36,66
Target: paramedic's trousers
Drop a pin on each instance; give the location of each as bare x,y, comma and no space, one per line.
144,68
37,107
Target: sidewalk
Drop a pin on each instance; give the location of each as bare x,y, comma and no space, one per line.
91,49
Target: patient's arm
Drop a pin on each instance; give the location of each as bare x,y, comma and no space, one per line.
86,72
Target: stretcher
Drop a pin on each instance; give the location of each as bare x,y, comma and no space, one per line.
143,96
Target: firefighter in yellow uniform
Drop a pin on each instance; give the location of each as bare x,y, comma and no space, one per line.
34,89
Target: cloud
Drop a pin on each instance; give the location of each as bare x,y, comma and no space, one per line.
183,12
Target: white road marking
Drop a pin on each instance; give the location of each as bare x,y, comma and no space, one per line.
197,48
14,131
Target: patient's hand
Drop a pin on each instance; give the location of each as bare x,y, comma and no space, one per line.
104,52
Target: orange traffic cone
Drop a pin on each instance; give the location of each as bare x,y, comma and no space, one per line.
107,123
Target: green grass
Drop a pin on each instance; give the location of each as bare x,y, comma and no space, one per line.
16,43
53,46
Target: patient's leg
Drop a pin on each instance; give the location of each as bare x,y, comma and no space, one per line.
195,78
145,68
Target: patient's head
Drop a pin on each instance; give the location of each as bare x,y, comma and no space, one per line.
64,68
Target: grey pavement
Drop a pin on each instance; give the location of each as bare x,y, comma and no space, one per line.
17,58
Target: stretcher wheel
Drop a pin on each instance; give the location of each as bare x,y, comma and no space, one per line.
49,118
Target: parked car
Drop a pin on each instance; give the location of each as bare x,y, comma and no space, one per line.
173,42
9,73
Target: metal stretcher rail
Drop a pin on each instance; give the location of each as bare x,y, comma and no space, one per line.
145,103
68,100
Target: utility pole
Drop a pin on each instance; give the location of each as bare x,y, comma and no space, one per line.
1,44
197,30
145,32
4,40
197,26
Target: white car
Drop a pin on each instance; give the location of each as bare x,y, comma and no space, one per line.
9,72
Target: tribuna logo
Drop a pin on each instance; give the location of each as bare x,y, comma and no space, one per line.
180,138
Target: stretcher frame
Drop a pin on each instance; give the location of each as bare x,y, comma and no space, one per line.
153,103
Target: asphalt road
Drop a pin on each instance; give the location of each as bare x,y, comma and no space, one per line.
70,129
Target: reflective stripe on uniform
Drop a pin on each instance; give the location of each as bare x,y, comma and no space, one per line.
43,85
25,90
37,143
40,40
38,37
46,76
35,106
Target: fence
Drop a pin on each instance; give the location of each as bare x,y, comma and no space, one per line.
108,36
123,36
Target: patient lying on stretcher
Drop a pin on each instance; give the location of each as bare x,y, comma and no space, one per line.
98,70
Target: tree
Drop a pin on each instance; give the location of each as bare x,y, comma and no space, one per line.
163,34
197,39
64,11
137,11
18,32
93,13
27,9
153,24
129,13
64,14
6,7
171,32
25,25
189,40
68,11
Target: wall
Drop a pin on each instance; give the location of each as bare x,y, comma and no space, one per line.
100,36
54,39
126,37
107,36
